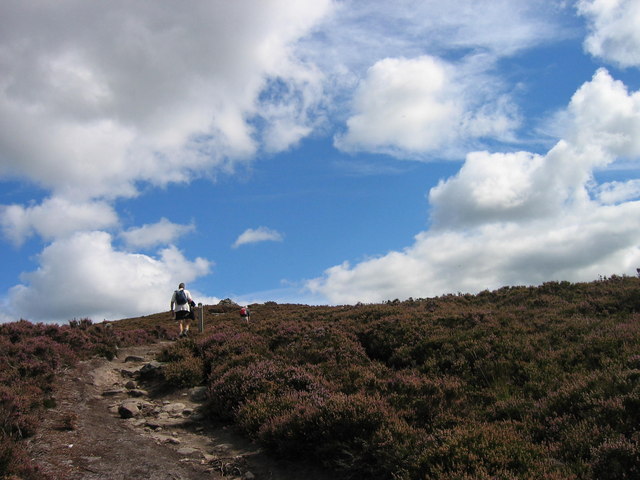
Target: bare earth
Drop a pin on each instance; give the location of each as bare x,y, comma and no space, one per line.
86,437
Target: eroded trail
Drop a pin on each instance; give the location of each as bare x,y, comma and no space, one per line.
111,421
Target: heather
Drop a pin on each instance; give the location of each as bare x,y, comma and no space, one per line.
522,382
31,357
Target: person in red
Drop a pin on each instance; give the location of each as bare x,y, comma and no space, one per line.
181,309
245,313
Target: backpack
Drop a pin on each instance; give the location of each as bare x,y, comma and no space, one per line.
243,311
181,297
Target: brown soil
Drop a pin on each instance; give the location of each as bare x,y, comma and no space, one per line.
85,437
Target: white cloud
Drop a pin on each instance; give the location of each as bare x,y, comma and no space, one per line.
411,107
493,187
617,192
604,115
362,32
55,217
614,35
260,234
97,96
519,218
160,233
84,276
575,248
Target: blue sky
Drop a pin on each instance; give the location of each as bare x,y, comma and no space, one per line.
321,152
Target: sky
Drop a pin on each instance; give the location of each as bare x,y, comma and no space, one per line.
312,151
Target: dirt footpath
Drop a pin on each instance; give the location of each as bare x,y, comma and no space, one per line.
112,422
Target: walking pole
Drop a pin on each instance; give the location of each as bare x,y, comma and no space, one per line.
201,314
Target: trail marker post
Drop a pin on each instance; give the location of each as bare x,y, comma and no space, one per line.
201,315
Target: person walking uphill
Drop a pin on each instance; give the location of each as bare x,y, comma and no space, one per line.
181,309
245,313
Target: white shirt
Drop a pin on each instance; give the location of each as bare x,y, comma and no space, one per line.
181,307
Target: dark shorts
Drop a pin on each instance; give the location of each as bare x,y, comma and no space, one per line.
184,314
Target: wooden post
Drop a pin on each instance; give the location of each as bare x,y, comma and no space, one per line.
201,314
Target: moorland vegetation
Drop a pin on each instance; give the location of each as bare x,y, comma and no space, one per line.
521,382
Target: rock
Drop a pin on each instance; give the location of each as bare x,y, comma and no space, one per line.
198,394
136,422
130,385
112,393
138,393
248,476
133,359
198,417
209,458
174,408
189,452
128,410
153,425
150,370
167,439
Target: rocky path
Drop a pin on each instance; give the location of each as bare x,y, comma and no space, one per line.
111,421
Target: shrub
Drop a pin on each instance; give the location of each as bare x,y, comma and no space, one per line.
15,463
354,434
186,372
243,383
617,459
484,451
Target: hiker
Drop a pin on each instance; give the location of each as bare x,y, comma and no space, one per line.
181,309
245,313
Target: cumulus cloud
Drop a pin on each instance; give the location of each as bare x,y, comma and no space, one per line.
260,234
520,218
160,233
412,107
614,33
85,276
54,218
117,93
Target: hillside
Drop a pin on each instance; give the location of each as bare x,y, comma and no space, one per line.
522,382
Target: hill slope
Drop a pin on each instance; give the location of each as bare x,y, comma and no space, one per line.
521,382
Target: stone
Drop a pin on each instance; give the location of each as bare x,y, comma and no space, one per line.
167,440
153,425
138,393
113,392
128,410
133,359
174,408
150,370
198,394
189,452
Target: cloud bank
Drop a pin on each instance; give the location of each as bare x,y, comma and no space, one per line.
117,93
520,218
86,273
